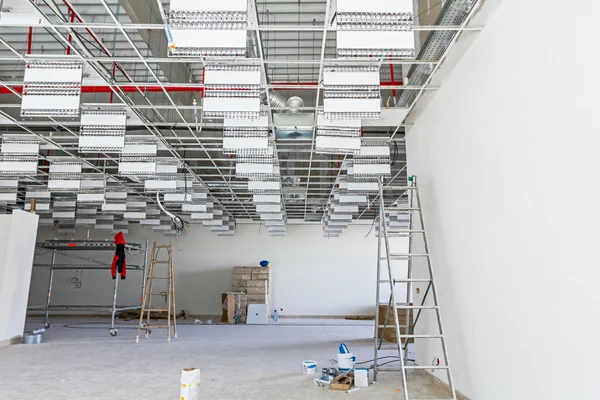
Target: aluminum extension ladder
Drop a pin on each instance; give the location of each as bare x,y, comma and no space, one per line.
149,293
413,232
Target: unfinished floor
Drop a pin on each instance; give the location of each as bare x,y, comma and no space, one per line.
236,362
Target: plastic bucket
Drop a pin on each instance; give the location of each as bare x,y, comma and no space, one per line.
32,338
346,361
309,367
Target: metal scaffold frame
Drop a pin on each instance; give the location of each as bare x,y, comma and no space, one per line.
60,247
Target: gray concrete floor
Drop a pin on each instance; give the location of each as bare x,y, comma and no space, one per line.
236,362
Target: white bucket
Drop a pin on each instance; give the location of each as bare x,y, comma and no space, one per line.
190,382
346,361
309,367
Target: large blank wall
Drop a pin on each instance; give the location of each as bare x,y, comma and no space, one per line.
17,246
506,155
312,275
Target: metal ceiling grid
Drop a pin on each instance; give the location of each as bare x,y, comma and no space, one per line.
124,65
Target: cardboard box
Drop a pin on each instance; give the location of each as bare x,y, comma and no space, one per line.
256,299
256,290
256,283
260,273
238,283
389,333
342,382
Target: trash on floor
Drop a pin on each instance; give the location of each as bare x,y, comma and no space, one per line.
190,384
309,367
345,362
343,382
329,374
34,337
321,383
344,349
361,377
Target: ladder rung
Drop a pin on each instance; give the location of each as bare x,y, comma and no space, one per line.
157,277
390,326
388,231
160,262
407,209
418,307
404,280
155,326
156,309
157,294
384,369
404,255
422,336
389,347
399,188
405,307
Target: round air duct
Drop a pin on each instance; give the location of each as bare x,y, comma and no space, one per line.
294,103
276,99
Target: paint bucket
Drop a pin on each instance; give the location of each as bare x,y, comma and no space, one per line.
190,382
309,367
32,338
346,362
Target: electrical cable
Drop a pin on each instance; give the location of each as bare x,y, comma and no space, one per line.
395,153
372,225
435,5
118,326
177,221
365,362
393,361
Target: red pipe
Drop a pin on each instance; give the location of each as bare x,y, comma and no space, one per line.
113,75
391,83
392,76
126,89
152,89
203,74
99,42
72,18
29,40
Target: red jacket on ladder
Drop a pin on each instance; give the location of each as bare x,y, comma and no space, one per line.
119,262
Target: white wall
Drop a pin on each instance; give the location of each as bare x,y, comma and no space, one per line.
506,155
17,245
311,275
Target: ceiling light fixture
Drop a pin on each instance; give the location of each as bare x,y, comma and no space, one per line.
351,92
19,156
102,131
377,28
232,91
52,89
208,29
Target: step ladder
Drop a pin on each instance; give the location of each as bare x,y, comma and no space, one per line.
166,274
419,261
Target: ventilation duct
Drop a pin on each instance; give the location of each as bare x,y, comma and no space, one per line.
276,99
453,13
294,103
